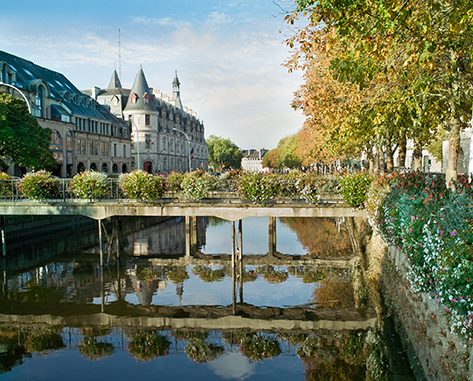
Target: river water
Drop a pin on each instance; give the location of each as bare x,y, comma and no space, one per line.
289,310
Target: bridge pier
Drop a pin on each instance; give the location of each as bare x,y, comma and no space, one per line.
188,236
99,221
271,235
4,244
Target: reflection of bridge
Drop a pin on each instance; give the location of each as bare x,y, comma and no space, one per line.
276,259
240,317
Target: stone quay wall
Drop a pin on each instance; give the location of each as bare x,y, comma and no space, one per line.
435,353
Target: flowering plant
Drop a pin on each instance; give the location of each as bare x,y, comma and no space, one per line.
257,348
147,345
258,187
196,185
433,226
143,186
6,185
207,274
199,350
273,276
178,274
174,180
354,187
89,184
39,185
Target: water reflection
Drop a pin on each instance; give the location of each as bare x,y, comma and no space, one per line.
156,309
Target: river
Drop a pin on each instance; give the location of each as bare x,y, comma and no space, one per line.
289,310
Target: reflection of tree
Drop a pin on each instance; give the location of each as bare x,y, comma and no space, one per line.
147,345
207,274
199,350
334,294
92,349
11,352
177,274
84,270
320,236
35,293
257,347
336,370
43,341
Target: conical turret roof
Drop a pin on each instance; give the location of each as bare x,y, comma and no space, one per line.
115,81
140,96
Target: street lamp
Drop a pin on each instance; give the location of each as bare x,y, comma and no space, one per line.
21,92
188,144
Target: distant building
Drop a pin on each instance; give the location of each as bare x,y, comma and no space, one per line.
252,160
465,156
165,134
85,135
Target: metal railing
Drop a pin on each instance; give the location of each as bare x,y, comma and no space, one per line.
9,191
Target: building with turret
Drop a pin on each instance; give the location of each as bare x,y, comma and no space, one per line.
85,135
166,136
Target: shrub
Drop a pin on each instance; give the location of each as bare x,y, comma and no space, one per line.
143,186
258,187
306,186
354,187
39,185
89,185
196,185
174,180
6,185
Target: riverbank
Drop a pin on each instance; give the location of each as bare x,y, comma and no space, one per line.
434,352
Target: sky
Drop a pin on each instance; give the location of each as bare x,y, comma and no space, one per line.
228,55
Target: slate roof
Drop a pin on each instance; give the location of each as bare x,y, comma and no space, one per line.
29,76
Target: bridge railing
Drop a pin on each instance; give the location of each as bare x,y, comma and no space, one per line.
9,191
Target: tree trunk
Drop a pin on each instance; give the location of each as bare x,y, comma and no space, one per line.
402,152
417,155
369,159
390,161
453,151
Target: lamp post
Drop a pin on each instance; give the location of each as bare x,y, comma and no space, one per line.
188,144
21,92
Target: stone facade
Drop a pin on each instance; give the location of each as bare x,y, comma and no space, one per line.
434,352
166,136
85,135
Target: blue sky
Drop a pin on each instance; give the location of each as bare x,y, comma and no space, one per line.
228,55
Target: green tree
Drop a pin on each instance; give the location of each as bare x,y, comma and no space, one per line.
223,153
22,138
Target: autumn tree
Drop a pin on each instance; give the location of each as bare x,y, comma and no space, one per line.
21,137
416,54
223,153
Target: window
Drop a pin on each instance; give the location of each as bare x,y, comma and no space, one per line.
134,98
104,149
148,141
40,100
81,147
93,147
146,98
124,150
147,120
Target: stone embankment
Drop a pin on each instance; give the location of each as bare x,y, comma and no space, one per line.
435,353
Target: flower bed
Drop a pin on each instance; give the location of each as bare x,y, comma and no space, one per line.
433,226
89,185
39,185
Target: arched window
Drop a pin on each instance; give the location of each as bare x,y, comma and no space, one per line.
124,168
104,168
80,167
56,146
115,168
93,167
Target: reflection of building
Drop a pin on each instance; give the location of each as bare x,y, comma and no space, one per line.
85,135
167,237
253,160
160,125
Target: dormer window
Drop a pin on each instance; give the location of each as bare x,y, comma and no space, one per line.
134,98
146,98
